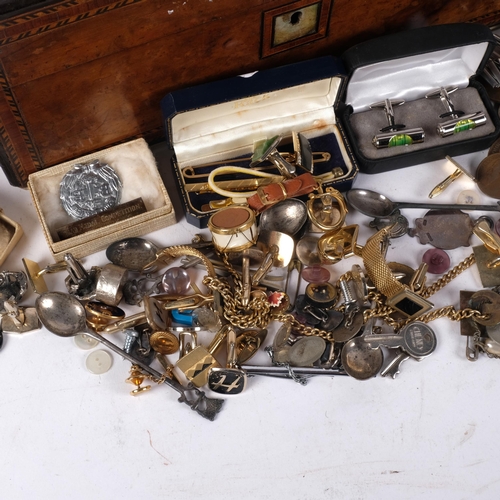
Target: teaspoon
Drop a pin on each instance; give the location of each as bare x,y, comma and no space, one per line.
64,315
375,204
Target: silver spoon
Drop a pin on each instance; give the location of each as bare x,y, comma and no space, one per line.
139,254
133,254
287,216
377,205
64,315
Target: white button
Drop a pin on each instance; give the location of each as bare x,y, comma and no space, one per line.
468,197
99,362
85,342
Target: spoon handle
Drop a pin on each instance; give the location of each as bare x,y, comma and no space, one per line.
437,206
190,395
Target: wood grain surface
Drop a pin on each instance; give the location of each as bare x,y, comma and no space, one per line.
78,76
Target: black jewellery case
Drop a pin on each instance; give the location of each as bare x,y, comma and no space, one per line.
218,124
406,67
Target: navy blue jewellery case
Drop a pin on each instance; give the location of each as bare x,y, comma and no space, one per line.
221,121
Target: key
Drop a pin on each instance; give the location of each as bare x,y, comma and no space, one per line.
416,339
392,368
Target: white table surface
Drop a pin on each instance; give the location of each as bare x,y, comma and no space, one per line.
430,433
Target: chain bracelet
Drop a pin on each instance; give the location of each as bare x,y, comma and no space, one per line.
257,314
449,276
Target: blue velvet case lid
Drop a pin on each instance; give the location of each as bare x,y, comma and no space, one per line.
182,108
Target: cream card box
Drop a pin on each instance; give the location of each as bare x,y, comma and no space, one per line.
136,168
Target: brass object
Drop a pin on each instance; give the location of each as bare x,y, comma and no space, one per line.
197,362
489,275
327,210
337,245
233,228
100,315
399,296
137,378
451,178
491,242
10,233
164,342
103,219
35,274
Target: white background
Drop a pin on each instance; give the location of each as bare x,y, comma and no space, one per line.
430,433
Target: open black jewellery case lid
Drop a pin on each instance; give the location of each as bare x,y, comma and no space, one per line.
408,66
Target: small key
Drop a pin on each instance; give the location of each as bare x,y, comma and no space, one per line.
416,339
392,368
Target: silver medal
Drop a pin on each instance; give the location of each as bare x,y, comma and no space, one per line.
90,188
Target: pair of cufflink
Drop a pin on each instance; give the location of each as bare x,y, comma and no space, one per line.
398,135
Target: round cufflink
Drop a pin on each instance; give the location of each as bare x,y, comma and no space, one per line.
100,315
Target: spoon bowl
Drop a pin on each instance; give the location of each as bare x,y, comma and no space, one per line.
287,216
61,313
133,254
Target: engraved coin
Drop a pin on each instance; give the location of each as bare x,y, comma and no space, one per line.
488,175
89,188
419,339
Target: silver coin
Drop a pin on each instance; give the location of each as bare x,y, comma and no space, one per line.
89,188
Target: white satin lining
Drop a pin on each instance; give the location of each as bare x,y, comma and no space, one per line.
230,129
412,77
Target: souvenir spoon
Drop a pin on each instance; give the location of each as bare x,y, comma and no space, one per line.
139,254
132,253
377,205
64,315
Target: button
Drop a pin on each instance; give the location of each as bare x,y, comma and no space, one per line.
468,197
98,362
437,260
85,342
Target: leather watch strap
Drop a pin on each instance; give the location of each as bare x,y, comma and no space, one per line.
278,191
